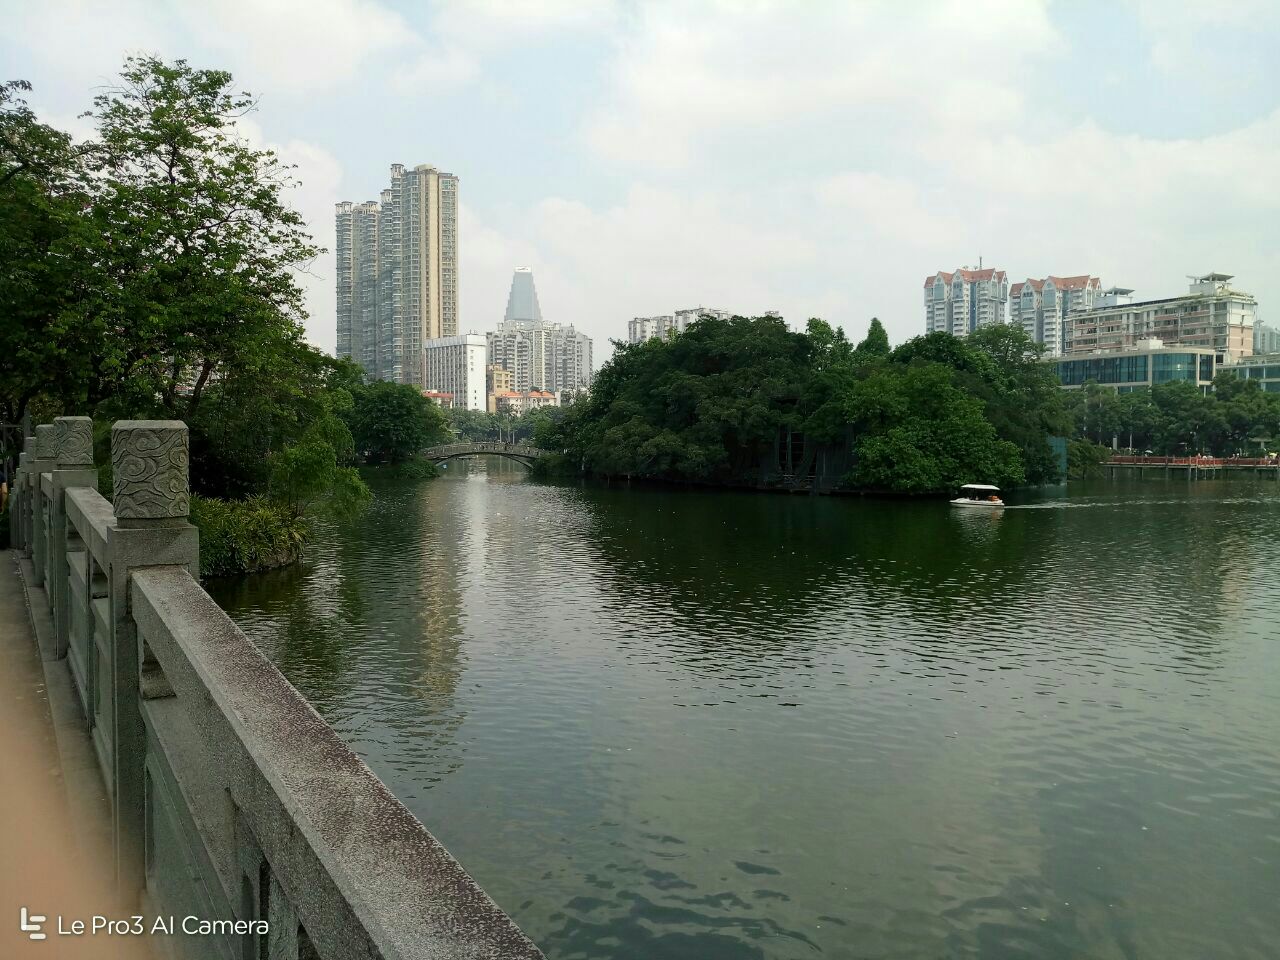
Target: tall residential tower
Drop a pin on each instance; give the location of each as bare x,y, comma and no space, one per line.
1041,308
397,276
961,302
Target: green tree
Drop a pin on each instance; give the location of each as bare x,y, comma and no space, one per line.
875,346
917,432
393,422
199,273
47,250
306,478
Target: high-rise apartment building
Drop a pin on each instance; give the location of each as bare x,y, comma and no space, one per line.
1041,308
1266,339
397,277
539,355
640,329
357,257
456,365
1210,315
959,303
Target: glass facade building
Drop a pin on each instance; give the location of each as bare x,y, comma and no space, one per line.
1138,369
1263,369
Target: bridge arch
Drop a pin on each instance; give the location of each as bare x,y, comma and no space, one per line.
520,452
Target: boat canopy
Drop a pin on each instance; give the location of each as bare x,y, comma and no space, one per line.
980,486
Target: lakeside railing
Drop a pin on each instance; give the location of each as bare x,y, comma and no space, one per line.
231,799
1196,461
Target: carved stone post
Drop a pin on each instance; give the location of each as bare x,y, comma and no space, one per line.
73,467
41,464
149,465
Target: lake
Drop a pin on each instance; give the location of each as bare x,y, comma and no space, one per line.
688,724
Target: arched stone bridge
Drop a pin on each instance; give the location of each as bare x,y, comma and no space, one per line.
512,451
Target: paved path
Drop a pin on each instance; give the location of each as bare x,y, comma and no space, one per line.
47,860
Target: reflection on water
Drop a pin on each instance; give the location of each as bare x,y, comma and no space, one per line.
659,723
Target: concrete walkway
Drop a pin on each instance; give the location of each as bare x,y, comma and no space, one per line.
53,859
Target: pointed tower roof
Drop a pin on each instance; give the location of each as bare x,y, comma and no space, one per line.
522,302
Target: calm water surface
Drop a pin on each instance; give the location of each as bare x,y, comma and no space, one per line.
670,724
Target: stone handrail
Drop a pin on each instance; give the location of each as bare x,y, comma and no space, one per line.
230,797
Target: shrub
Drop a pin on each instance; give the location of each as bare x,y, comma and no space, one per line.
246,536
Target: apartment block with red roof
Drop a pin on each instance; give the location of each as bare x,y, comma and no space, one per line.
1041,308
959,303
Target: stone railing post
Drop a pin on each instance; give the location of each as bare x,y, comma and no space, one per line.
72,467
41,463
149,461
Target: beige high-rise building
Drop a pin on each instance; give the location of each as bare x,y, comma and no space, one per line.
1212,314
397,283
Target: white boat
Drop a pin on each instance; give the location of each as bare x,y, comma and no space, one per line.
979,495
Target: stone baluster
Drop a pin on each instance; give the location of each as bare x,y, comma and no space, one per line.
72,467
41,463
149,460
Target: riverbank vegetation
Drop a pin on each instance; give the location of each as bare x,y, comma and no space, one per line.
745,401
1175,419
151,272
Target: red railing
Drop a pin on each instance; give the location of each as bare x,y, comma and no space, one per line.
1198,461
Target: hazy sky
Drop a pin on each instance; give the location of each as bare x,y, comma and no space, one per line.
815,158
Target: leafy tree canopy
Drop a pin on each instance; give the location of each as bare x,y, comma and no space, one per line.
393,422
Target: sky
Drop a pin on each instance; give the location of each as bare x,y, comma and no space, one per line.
819,159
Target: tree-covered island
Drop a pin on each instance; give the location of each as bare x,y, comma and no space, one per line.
747,402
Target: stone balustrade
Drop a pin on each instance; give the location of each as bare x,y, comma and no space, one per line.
231,799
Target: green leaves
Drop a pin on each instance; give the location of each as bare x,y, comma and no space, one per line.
393,422
151,262
735,401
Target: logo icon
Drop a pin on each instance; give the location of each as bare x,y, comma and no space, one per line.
31,924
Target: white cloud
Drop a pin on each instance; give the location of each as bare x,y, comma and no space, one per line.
690,75
298,46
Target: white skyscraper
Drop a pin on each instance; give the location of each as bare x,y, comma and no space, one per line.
539,355
397,273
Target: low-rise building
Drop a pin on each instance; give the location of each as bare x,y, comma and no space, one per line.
519,402
1211,315
497,380
456,366
1146,364
439,398
1264,368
